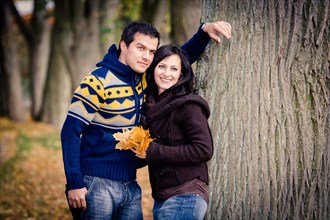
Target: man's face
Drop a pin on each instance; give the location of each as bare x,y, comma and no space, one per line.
140,52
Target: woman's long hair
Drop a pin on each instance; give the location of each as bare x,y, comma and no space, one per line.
185,83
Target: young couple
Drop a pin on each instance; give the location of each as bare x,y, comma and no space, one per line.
101,180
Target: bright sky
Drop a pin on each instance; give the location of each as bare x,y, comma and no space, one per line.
25,7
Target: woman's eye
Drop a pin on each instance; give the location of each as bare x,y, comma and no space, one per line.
174,69
161,66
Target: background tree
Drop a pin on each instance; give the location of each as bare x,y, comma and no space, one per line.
75,51
39,48
269,95
185,19
109,14
11,94
36,34
157,13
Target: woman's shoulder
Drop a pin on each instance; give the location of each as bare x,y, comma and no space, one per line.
196,99
194,102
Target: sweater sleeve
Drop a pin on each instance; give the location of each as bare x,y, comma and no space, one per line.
85,103
196,45
70,138
199,147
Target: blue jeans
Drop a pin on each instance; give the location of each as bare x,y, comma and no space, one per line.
109,199
183,207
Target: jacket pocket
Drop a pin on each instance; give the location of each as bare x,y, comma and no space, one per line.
90,183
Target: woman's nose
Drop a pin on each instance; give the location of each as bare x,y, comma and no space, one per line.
166,72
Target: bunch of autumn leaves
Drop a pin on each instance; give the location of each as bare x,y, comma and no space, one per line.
137,139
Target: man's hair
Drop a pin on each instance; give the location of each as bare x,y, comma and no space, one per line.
138,27
185,83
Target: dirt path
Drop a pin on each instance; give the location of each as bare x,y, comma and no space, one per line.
32,176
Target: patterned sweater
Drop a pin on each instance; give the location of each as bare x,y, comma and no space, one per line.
107,100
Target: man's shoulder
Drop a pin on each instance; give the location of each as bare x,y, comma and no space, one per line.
106,77
100,72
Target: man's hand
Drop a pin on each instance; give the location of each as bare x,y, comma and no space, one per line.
217,27
77,199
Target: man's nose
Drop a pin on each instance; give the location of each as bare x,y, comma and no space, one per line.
146,55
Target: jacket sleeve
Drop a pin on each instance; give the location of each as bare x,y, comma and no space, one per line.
199,147
196,45
84,105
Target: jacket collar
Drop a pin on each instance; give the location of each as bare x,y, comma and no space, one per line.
171,102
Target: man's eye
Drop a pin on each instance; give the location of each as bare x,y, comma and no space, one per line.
140,48
152,52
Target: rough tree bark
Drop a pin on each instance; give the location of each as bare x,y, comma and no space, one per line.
268,89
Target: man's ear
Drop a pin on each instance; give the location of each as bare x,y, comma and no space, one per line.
123,47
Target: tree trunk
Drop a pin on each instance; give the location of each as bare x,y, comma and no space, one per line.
185,19
268,89
12,104
36,35
157,13
75,51
39,54
109,12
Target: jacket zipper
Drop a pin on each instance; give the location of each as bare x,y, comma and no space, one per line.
137,101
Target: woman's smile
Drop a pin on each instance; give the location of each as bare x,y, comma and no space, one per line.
167,72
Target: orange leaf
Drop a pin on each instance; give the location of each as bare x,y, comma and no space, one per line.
137,139
123,138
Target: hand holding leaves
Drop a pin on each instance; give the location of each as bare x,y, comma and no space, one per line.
137,139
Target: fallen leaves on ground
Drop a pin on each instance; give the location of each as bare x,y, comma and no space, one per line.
32,177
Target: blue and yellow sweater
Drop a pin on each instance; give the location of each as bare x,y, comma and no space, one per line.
107,100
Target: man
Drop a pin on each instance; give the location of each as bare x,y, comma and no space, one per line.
108,100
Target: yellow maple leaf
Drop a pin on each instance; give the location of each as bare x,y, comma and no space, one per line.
137,139
141,139
123,138
137,135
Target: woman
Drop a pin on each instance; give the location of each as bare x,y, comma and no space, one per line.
177,119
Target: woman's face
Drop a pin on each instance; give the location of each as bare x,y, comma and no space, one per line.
167,72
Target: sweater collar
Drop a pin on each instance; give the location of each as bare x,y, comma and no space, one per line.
111,62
